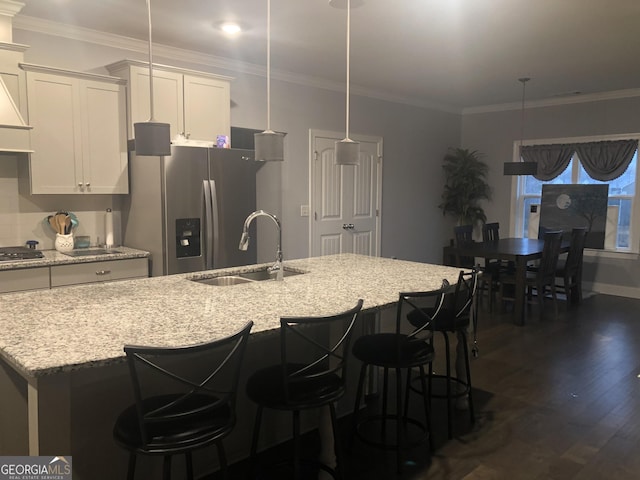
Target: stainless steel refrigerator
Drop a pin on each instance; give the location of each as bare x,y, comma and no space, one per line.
188,209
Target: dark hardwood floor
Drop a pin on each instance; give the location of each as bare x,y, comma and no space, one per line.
557,398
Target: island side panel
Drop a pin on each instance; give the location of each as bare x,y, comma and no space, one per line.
14,425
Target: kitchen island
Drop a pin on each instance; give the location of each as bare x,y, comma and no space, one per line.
63,363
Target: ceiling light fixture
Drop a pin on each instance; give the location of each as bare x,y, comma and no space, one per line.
520,167
347,150
151,138
269,145
231,28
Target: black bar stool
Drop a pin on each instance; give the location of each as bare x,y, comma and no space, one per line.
199,410
400,352
310,375
455,317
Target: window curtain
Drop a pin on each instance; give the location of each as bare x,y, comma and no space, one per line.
606,161
552,160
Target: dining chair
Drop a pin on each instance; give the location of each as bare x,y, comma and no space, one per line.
180,409
490,278
311,374
570,269
463,234
458,314
399,351
541,277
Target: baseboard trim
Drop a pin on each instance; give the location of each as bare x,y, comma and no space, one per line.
610,289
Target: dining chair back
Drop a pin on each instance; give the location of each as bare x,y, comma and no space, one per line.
571,270
546,272
491,232
463,234
184,399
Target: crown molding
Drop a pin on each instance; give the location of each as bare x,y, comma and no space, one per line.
554,102
81,34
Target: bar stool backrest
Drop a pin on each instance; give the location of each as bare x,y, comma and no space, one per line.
314,352
179,386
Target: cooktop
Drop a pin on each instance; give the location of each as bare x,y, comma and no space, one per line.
19,253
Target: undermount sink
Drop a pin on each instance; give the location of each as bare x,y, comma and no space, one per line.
243,277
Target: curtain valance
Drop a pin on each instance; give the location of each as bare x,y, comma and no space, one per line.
603,161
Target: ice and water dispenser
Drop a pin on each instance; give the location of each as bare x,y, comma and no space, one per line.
188,237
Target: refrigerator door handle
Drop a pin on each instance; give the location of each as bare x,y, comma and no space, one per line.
215,222
208,221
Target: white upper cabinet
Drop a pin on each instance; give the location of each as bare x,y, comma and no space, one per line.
79,134
193,103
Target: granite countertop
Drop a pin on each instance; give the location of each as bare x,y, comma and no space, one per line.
53,257
59,330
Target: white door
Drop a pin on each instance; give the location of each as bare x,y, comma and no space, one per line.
345,200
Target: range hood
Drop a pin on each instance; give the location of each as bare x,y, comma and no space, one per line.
14,131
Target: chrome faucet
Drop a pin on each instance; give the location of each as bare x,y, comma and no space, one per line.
244,240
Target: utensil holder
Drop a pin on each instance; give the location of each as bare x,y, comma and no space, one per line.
64,243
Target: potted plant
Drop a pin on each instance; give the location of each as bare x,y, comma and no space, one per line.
465,186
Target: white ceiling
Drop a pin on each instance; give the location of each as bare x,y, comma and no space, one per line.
457,53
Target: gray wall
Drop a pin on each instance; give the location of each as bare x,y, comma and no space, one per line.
415,139
494,133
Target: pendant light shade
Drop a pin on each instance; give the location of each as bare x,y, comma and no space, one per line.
520,167
269,145
347,151
151,138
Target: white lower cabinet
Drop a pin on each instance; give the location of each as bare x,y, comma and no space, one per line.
79,273
79,132
24,279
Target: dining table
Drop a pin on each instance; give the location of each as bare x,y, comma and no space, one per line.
518,250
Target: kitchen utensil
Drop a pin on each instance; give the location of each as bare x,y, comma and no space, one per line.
67,225
53,222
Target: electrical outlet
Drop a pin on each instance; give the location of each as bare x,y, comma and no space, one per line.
304,210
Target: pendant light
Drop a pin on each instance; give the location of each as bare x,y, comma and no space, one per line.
347,150
269,145
520,167
151,138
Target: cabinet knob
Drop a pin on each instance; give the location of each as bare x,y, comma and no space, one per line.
80,184
103,272
88,184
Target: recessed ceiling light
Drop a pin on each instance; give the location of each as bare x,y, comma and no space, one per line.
230,28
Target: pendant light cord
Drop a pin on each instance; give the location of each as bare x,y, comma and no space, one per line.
269,65
348,63
524,81
151,112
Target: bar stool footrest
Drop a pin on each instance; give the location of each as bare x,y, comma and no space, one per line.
421,428
455,383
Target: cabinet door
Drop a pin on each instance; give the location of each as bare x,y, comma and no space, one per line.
207,108
55,115
104,151
24,279
168,98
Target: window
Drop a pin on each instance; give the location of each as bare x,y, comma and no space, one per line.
621,194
